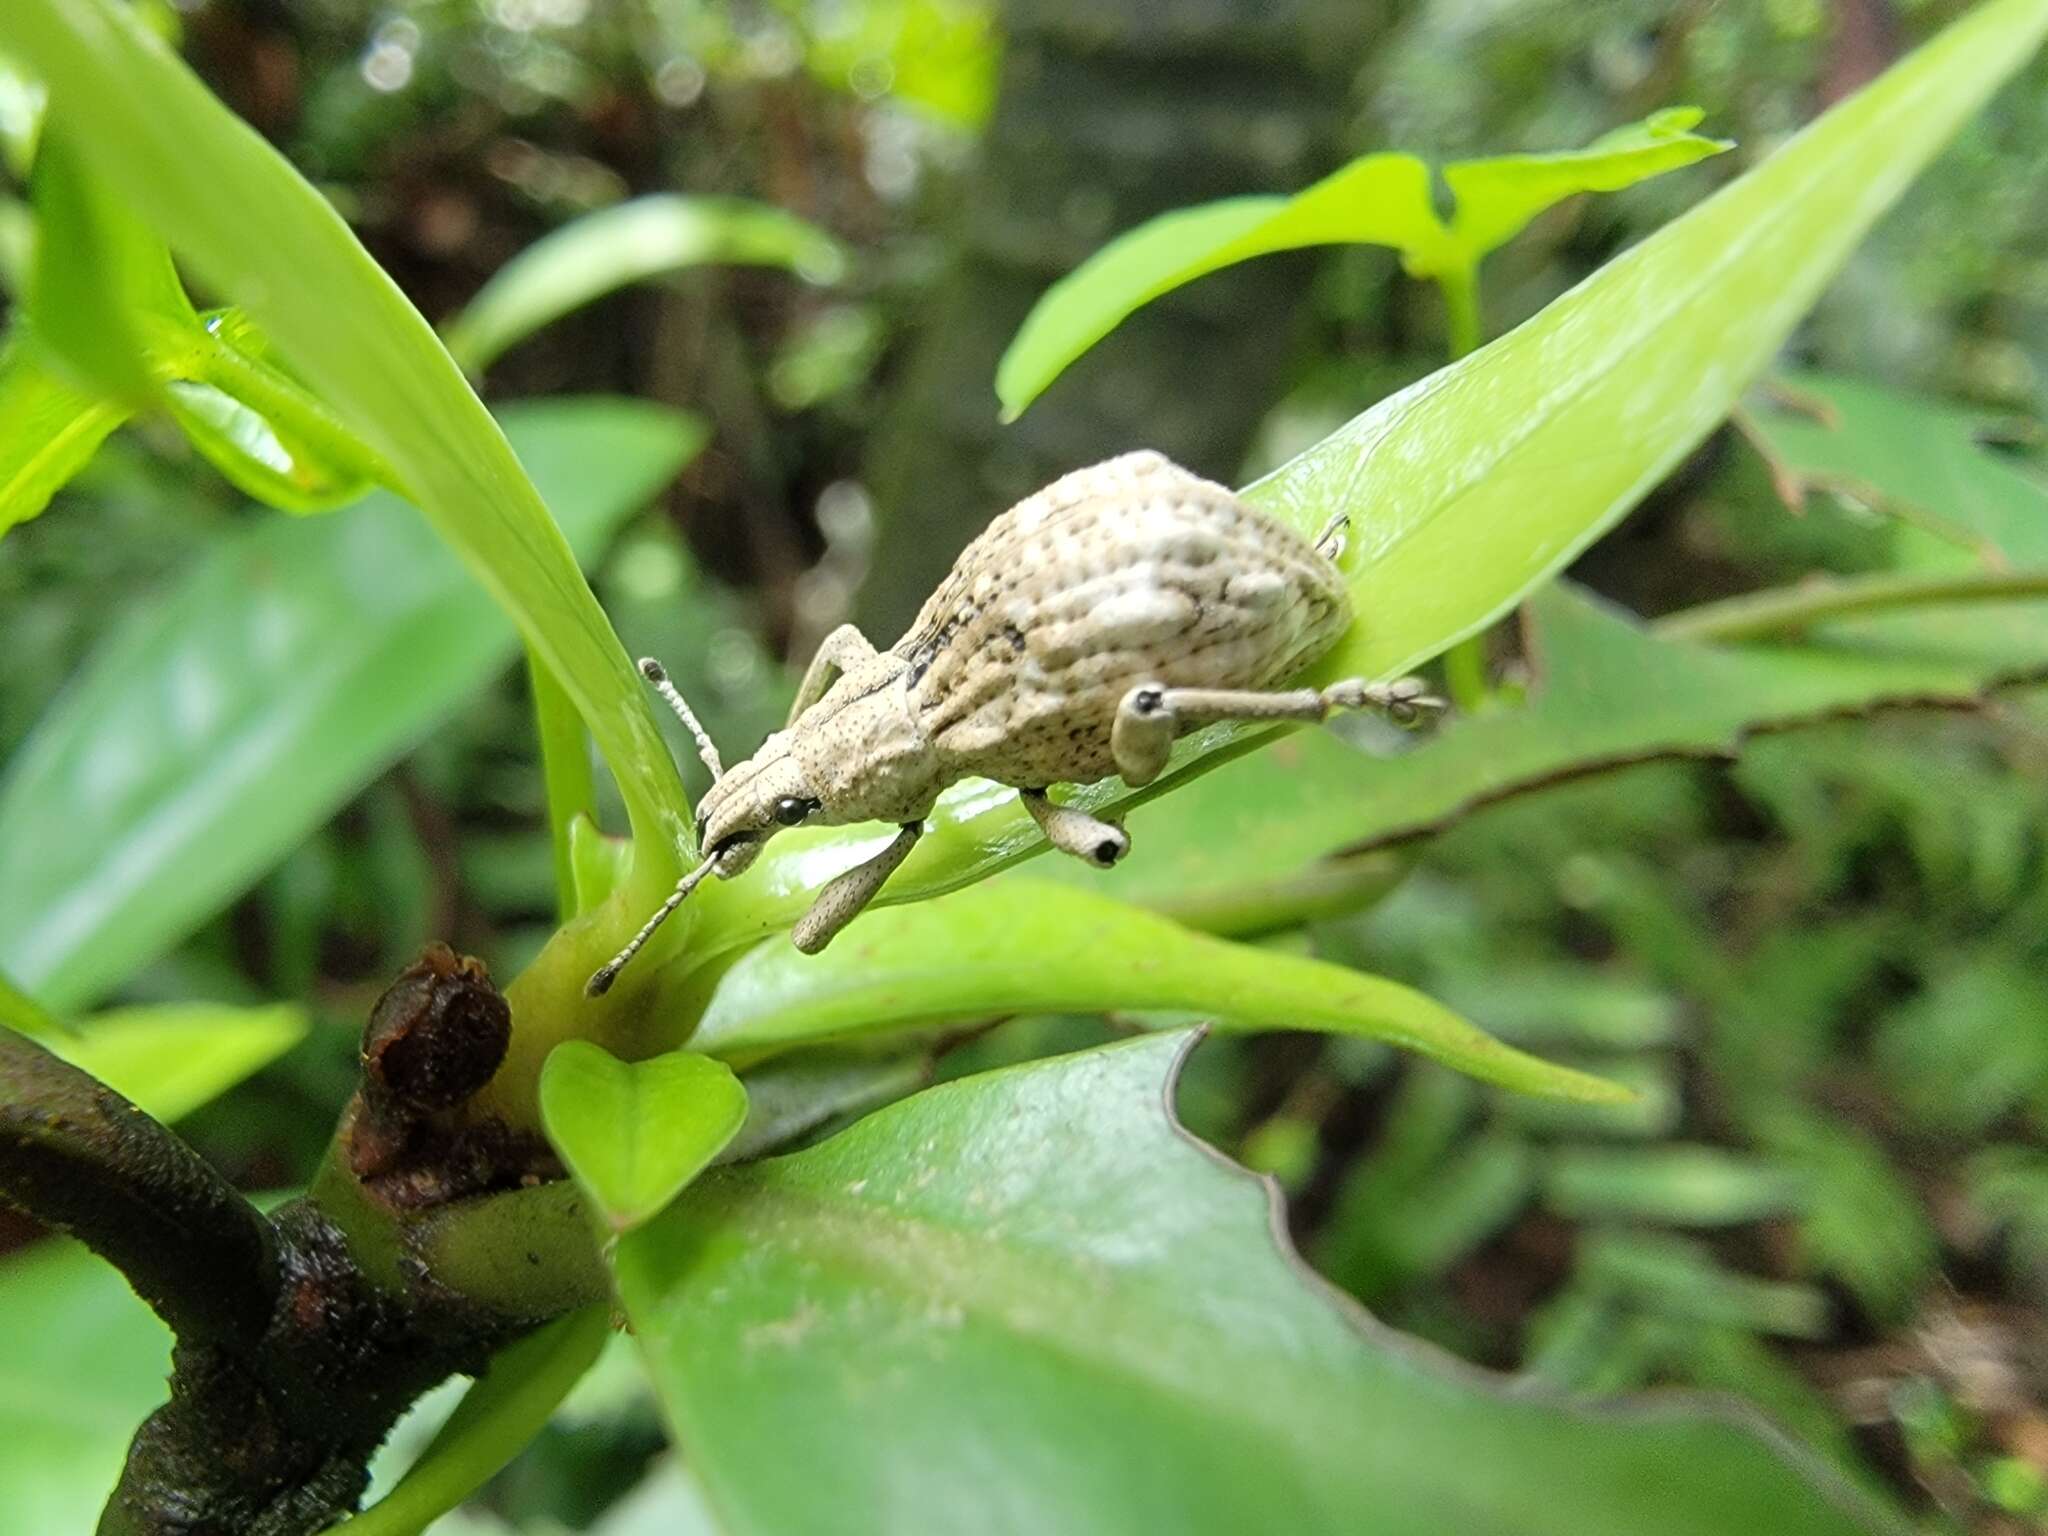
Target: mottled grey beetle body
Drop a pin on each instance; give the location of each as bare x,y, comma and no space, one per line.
1131,572
1085,629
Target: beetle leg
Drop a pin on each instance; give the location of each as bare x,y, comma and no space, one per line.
840,902
1330,542
1151,716
845,648
1072,830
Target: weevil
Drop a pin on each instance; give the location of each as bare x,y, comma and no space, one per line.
1083,631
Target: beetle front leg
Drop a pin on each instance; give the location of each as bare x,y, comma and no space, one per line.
1072,830
840,902
845,648
1151,716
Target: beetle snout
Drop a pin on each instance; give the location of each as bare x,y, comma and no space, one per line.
736,852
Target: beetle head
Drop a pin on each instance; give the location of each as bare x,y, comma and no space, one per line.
751,803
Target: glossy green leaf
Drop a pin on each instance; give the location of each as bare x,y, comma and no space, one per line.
259,427
48,431
1473,487
633,1134
249,451
625,244
170,1058
1379,199
205,181
82,1361
1073,1319
1021,946
217,724
495,1420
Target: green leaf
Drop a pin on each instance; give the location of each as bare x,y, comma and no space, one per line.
1020,946
1379,199
170,1058
625,244
1963,1051
1473,487
209,184
22,102
566,774
1494,199
214,727
82,1360
1072,1319
1959,516
635,1133
102,288
48,431
1458,510
495,1420
1311,824
597,864
259,427
1671,1185
1864,1224
24,1015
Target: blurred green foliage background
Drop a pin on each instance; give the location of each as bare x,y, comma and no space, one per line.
1823,963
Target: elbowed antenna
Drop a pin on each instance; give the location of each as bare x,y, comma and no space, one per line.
602,978
707,749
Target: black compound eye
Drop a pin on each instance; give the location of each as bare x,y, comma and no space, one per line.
791,811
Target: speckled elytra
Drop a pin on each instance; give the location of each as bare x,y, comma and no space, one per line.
1082,632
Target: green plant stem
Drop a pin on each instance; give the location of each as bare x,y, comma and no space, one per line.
565,767
1465,674
1461,309
1786,610
503,1411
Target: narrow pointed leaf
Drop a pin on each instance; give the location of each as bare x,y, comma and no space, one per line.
1021,946
264,238
102,287
1378,199
634,1133
48,431
1071,1319
1495,198
626,244
219,723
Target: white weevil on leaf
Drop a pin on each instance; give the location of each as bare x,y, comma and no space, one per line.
1085,629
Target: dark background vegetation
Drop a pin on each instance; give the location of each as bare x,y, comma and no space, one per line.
1823,962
